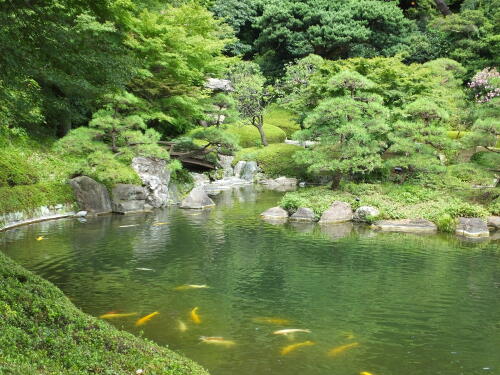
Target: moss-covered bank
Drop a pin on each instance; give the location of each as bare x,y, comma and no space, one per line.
42,332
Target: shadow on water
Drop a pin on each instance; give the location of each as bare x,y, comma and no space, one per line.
394,303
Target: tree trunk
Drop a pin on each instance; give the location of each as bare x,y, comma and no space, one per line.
259,124
337,178
443,7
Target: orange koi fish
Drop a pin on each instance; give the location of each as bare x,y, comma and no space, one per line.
290,348
217,341
340,349
146,319
112,315
194,316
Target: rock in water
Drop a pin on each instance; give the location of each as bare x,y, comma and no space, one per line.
249,170
364,213
128,198
339,212
406,225
494,222
303,214
197,198
91,196
155,176
472,227
275,213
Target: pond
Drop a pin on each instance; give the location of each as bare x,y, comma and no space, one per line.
387,304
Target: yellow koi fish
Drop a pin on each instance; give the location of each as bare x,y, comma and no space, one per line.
217,341
290,348
40,238
291,331
182,326
340,349
276,321
116,315
365,373
348,335
158,224
191,286
194,316
146,319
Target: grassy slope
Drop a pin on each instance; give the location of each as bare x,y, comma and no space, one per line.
42,332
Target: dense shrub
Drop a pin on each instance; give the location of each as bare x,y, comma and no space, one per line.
487,159
15,169
275,160
248,135
29,197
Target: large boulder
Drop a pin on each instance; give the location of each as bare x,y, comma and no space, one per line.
339,212
280,183
91,196
406,225
275,213
249,170
217,84
303,214
197,198
129,198
472,227
155,176
225,161
494,222
200,179
365,214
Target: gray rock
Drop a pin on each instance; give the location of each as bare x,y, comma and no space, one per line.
406,225
280,183
238,168
197,198
217,84
275,213
472,227
128,198
91,196
494,222
155,176
303,214
339,212
225,161
200,179
81,214
365,213
249,170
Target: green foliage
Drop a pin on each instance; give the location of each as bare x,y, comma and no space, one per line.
15,169
283,119
29,197
494,206
486,159
486,129
52,336
275,160
248,136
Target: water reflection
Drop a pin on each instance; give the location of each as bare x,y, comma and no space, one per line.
414,304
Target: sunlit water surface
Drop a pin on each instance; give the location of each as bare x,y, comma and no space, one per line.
416,305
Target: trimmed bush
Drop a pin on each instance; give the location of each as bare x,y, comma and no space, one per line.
275,160
248,135
281,118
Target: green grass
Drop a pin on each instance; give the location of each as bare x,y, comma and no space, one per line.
275,160
43,333
281,118
393,201
248,135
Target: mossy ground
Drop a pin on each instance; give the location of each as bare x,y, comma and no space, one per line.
248,135
42,332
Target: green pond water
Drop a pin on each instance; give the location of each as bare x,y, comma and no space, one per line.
416,305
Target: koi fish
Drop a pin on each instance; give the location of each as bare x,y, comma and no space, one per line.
158,224
290,331
290,348
191,286
112,315
144,269
194,316
182,326
365,373
40,238
340,349
348,335
277,321
128,226
217,341
146,319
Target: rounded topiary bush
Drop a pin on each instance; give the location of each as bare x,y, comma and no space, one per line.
248,135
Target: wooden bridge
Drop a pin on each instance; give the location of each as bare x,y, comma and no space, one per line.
188,158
